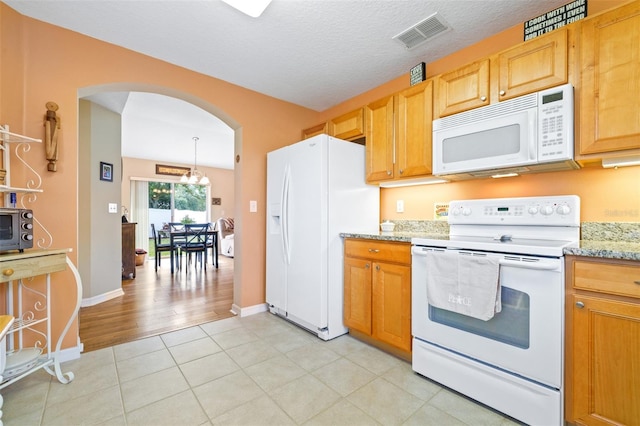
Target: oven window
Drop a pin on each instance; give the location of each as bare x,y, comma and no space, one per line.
510,326
6,227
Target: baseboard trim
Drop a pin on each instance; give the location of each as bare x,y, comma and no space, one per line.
251,310
101,298
69,354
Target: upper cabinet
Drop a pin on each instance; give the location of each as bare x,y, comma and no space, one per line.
610,82
398,135
349,127
463,89
534,65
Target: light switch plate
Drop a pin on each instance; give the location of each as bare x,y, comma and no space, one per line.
400,206
253,206
113,208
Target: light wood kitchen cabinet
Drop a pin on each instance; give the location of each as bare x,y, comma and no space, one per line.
602,341
377,293
531,66
610,83
398,135
322,128
349,127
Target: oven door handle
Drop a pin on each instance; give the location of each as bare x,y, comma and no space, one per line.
538,265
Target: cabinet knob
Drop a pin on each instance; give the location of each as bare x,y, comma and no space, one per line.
8,272
374,251
366,266
502,93
388,172
579,305
637,282
483,98
377,267
401,171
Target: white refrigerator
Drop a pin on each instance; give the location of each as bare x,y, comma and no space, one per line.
315,190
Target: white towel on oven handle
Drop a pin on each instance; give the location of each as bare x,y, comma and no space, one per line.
463,283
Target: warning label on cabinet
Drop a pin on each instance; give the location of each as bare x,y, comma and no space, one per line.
555,19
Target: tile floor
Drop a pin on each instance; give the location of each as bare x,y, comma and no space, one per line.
257,370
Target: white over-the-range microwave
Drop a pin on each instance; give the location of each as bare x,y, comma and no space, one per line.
525,134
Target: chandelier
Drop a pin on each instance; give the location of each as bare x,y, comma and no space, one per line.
195,176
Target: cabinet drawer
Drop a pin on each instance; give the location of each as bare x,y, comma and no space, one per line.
618,279
378,250
32,266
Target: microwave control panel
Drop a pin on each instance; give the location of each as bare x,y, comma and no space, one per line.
555,123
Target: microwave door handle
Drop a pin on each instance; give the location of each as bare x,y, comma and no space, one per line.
533,135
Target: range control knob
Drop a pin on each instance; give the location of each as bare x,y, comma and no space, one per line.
466,211
27,215
27,237
563,209
455,212
533,209
546,210
27,226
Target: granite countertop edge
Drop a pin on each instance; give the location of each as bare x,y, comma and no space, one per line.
588,248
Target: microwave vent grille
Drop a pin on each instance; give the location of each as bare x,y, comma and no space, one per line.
501,109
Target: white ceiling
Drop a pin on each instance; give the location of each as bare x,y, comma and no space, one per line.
314,53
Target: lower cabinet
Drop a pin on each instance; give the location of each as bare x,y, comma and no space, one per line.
377,293
603,342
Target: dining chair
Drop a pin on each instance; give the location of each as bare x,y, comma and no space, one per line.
212,242
159,246
196,242
178,241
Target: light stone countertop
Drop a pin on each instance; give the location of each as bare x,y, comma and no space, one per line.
606,240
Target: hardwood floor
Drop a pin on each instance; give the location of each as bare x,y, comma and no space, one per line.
155,303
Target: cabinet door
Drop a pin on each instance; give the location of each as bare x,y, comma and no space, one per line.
538,64
380,150
392,304
357,294
315,130
606,366
463,89
414,116
348,126
610,77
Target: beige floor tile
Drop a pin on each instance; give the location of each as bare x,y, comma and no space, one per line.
194,349
26,397
266,324
90,408
216,327
232,338
85,381
304,398
374,360
312,356
33,417
151,388
342,413
385,402
183,336
209,368
90,361
344,345
252,353
118,420
260,411
291,339
274,372
181,409
464,409
226,393
429,415
132,368
344,376
138,347
405,378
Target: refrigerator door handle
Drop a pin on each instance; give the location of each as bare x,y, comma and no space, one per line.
285,215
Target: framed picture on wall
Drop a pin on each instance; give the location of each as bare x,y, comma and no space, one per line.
106,171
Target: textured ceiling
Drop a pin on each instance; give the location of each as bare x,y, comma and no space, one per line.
314,53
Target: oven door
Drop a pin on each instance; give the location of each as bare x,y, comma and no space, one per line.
525,338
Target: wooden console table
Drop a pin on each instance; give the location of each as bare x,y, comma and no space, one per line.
31,308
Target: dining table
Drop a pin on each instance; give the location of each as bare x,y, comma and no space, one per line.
175,236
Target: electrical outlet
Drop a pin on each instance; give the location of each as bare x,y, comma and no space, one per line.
113,208
400,206
253,206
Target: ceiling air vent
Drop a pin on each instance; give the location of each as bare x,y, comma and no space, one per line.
422,31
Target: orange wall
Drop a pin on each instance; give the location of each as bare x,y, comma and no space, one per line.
40,63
